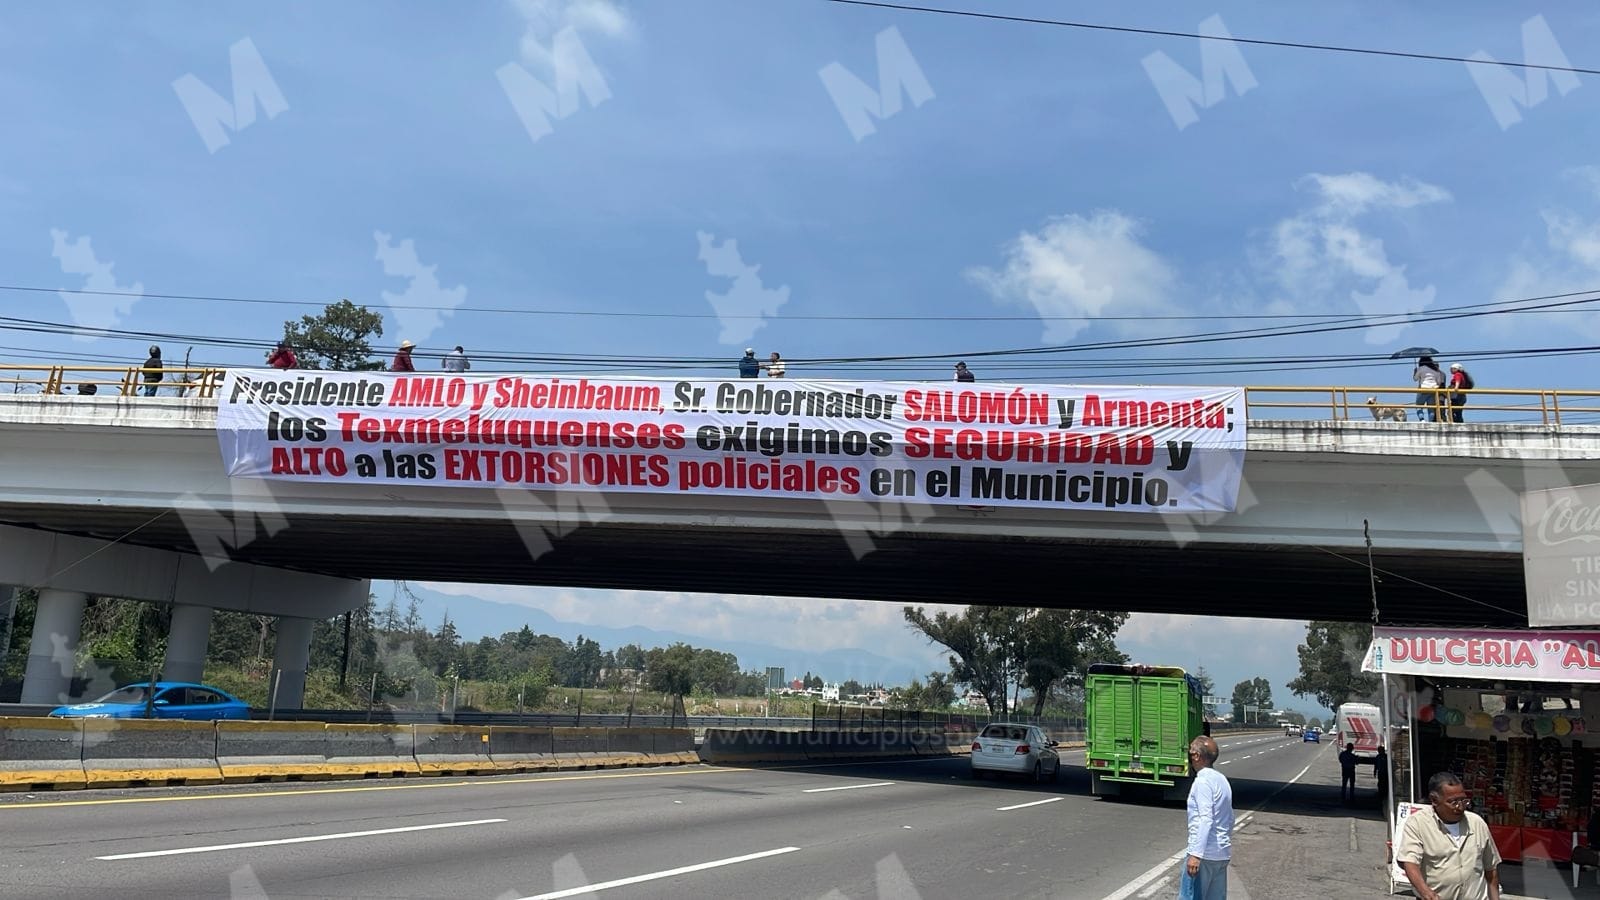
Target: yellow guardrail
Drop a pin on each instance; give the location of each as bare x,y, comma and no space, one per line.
1513,405
124,381
1339,403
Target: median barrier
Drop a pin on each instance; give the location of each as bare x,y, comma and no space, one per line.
369,751
580,748
735,746
272,751
133,752
41,754
452,750
521,749
672,745
630,747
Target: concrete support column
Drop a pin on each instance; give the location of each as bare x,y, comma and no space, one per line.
187,639
290,656
8,612
53,649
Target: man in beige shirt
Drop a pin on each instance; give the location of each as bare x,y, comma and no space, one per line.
1446,851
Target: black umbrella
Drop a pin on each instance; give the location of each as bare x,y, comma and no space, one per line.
1411,352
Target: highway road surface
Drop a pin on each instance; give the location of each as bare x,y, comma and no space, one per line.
858,831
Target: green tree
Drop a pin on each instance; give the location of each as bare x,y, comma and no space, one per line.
938,693
1255,692
338,339
1057,646
671,671
982,643
1330,664
1313,722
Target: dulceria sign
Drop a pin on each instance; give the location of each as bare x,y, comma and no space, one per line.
1510,655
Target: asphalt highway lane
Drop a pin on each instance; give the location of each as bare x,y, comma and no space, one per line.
877,829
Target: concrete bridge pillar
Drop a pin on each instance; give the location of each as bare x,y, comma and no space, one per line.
53,648
187,639
291,656
8,612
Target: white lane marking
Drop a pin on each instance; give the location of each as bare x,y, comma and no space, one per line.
298,840
1026,805
1154,886
1224,762
846,787
656,876
1156,871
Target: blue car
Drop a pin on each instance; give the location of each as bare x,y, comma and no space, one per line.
173,700
1311,735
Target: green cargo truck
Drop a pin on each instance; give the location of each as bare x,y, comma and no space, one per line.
1140,722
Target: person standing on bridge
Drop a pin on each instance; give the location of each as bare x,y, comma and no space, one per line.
456,360
749,366
1445,850
964,374
775,367
153,371
1429,379
1460,383
283,357
1210,817
402,358
1347,773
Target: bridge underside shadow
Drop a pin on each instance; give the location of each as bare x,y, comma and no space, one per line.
1267,581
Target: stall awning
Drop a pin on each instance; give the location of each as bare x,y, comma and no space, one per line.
1564,656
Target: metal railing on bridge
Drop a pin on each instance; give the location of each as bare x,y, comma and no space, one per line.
1392,404
1318,403
122,381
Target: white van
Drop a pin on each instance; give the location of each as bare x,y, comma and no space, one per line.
1360,724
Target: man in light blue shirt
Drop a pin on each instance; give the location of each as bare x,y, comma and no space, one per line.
1205,872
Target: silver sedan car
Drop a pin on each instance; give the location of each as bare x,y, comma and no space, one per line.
1006,748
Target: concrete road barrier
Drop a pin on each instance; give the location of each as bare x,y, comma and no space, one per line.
128,752
515,748
369,751
452,750
629,747
673,745
736,746
580,748
41,754
272,751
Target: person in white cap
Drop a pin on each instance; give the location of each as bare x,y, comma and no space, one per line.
1460,382
749,367
402,358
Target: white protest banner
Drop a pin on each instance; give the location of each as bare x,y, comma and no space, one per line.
1127,449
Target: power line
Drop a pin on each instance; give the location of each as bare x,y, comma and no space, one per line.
1259,42
634,314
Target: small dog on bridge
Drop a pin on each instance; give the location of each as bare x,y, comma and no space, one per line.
1380,413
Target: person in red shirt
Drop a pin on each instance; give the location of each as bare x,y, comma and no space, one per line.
1460,381
402,358
283,357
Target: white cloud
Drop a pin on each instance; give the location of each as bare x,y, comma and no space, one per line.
1326,247
1231,649
1568,261
1080,266
544,18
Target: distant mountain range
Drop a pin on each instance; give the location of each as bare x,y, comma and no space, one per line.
475,617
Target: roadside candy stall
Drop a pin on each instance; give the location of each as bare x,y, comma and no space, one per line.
1515,714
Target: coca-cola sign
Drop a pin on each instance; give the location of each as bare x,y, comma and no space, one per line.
1561,555
1567,520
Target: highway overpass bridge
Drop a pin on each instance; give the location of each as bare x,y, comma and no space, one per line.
128,497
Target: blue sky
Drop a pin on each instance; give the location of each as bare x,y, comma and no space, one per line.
1044,176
